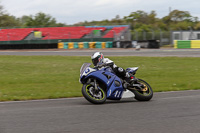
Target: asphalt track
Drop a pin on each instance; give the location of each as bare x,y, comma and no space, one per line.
169,112
164,52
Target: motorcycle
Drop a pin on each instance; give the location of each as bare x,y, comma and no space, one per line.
101,83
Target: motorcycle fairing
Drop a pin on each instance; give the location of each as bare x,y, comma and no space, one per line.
114,91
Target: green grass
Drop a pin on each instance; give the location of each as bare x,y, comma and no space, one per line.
41,77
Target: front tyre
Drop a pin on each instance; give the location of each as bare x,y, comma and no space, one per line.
145,94
92,95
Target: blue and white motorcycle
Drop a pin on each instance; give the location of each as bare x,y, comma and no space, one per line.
102,83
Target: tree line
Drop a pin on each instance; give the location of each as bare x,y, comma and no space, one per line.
40,19
143,21
138,21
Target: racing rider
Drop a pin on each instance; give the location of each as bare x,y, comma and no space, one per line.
99,60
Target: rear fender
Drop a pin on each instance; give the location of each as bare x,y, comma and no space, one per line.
132,70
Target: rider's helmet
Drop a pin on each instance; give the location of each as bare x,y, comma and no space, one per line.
97,58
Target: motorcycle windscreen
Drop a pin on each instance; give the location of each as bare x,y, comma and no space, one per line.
83,67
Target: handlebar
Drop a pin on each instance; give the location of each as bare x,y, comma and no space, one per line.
99,66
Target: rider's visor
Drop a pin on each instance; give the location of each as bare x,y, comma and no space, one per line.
95,61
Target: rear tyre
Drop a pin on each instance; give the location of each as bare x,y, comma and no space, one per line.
92,95
145,94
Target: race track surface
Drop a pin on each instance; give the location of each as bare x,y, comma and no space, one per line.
109,52
170,112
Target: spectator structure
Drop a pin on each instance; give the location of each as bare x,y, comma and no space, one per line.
51,33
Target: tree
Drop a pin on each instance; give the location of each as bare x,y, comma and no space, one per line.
178,16
197,26
117,20
141,20
23,20
40,19
152,17
6,20
180,20
9,21
1,10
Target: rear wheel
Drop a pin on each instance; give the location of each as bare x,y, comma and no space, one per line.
92,95
144,94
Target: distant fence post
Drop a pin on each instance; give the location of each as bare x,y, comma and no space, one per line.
136,35
153,35
161,36
144,35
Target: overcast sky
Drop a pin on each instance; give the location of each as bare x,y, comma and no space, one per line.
73,11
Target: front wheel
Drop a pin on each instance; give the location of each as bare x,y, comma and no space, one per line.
144,94
93,95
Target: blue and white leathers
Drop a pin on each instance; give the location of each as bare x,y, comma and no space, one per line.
104,76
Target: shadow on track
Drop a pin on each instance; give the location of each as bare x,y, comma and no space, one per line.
127,100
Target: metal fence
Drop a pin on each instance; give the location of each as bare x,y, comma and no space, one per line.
164,37
185,35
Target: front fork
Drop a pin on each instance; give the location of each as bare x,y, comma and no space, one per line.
94,84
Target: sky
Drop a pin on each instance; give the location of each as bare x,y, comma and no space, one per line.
74,11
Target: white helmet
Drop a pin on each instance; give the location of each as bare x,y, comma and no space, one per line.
97,58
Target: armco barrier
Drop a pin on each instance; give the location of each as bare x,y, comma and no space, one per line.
81,45
103,45
29,46
98,45
61,45
195,43
92,44
65,45
149,44
70,45
86,44
109,44
187,44
122,44
46,44
182,44
76,45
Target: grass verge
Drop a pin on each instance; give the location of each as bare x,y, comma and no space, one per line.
41,77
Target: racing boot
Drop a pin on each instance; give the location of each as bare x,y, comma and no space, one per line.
129,78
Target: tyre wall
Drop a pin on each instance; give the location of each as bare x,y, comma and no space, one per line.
181,44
